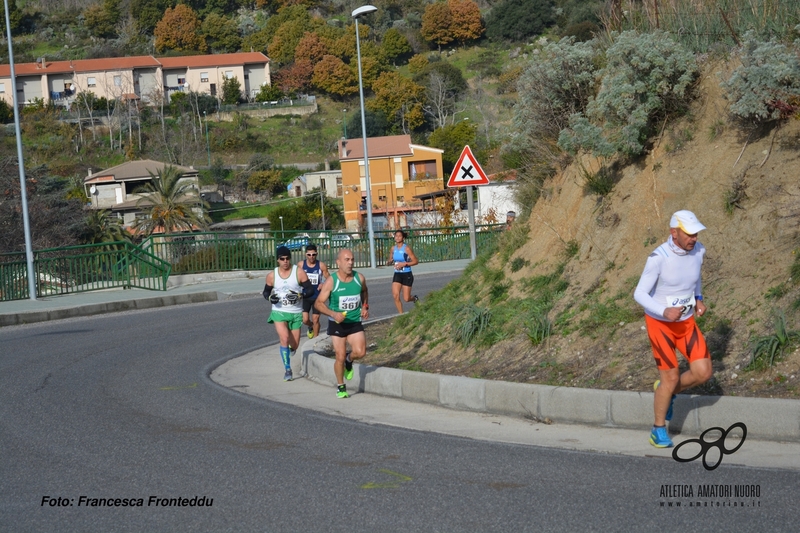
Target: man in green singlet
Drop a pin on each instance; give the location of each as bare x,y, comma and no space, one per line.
344,299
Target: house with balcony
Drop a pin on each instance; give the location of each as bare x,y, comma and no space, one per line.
398,171
133,78
118,189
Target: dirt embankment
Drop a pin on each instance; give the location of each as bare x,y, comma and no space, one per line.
745,190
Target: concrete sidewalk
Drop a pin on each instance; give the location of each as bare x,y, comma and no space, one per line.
374,400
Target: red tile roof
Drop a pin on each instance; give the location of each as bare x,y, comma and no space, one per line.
125,63
80,65
392,146
215,60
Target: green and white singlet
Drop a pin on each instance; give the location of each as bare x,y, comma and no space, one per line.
346,298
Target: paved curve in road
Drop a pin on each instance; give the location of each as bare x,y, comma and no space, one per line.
120,406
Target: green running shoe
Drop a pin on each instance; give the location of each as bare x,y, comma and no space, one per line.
348,370
341,392
310,333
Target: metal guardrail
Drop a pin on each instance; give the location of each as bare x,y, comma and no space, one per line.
82,268
149,265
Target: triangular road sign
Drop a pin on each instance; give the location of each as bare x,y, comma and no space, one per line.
467,171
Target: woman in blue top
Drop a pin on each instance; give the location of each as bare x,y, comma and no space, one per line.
403,259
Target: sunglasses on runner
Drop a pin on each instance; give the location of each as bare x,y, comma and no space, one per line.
311,255
284,258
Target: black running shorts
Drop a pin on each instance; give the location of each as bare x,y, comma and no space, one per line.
344,329
403,278
308,303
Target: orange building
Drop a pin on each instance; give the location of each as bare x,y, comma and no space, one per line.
398,171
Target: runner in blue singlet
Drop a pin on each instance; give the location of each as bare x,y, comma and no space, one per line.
403,259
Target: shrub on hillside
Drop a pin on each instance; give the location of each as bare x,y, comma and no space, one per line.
767,84
646,77
517,20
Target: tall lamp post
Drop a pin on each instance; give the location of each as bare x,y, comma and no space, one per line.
282,236
344,122
365,10
26,225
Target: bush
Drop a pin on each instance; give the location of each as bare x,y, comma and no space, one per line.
767,84
647,76
517,20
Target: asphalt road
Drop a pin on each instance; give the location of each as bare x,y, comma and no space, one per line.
120,406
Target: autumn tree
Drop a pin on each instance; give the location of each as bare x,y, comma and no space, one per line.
179,30
295,77
221,33
455,20
466,17
310,48
436,24
400,99
334,77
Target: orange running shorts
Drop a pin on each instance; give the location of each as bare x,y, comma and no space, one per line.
666,337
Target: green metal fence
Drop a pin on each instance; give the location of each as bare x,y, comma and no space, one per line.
149,265
82,268
197,253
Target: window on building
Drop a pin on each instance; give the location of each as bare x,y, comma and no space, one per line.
422,170
229,74
381,195
322,184
182,81
2,87
91,82
401,198
204,77
117,81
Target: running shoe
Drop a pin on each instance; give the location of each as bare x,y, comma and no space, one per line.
659,438
288,375
671,402
341,391
415,298
348,370
310,333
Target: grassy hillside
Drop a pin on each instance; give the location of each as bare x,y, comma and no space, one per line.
553,304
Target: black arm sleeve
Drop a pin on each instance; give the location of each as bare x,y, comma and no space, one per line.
308,289
267,291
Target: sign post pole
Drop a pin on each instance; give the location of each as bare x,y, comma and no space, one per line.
473,248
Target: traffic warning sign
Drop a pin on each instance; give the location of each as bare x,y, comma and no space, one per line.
467,171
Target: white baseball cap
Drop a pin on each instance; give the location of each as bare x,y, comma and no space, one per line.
687,221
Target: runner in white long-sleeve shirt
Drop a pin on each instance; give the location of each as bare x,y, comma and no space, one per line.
670,292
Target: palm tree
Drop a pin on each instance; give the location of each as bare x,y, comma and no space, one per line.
170,204
101,227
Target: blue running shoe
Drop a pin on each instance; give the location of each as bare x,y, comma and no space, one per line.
288,375
659,437
671,402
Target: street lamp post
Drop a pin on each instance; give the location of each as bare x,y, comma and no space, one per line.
26,225
282,236
344,122
208,145
364,10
